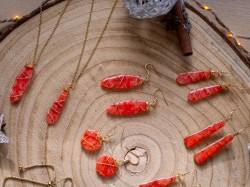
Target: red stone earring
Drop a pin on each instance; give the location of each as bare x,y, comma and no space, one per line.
197,137
132,107
91,140
203,155
204,92
163,182
190,77
125,81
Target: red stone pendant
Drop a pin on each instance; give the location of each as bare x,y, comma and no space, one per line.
159,182
55,110
197,137
121,82
128,108
106,165
21,83
190,77
91,140
201,93
210,150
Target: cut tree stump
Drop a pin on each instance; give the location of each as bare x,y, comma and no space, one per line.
157,136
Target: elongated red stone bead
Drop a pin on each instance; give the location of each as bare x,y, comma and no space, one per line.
159,182
106,166
21,83
201,93
127,108
210,150
122,81
56,108
197,137
189,77
91,140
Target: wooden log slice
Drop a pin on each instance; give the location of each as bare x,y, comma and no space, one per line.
126,47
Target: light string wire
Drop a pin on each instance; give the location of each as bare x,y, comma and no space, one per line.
229,32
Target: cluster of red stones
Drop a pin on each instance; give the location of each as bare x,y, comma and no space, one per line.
122,82
127,108
56,108
159,182
201,93
197,137
106,165
91,140
21,83
202,156
190,77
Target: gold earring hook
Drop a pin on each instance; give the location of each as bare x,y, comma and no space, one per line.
153,103
147,71
239,131
230,115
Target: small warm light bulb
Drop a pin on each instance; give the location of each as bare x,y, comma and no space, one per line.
229,35
238,42
16,17
205,7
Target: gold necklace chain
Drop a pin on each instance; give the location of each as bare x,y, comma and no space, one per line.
37,57
77,77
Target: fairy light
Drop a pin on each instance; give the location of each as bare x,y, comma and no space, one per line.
237,41
205,7
230,35
16,17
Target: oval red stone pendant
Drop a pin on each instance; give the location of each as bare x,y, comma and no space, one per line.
128,108
203,155
55,110
106,165
21,83
159,182
190,77
201,93
91,140
122,81
197,137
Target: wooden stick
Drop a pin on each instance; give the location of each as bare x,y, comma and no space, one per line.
182,31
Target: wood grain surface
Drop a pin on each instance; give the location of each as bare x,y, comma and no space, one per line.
126,47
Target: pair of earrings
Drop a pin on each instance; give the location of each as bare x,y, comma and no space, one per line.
195,138
106,165
200,93
125,82
52,183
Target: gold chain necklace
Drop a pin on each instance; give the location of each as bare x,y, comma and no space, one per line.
23,79
56,108
52,183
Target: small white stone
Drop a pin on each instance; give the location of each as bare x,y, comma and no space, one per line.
142,9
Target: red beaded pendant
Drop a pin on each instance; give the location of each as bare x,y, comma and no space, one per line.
159,182
91,140
197,137
190,77
121,82
106,165
201,93
56,108
210,150
128,108
21,83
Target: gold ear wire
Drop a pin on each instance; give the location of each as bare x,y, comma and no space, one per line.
239,131
66,179
230,115
147,71
156,98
